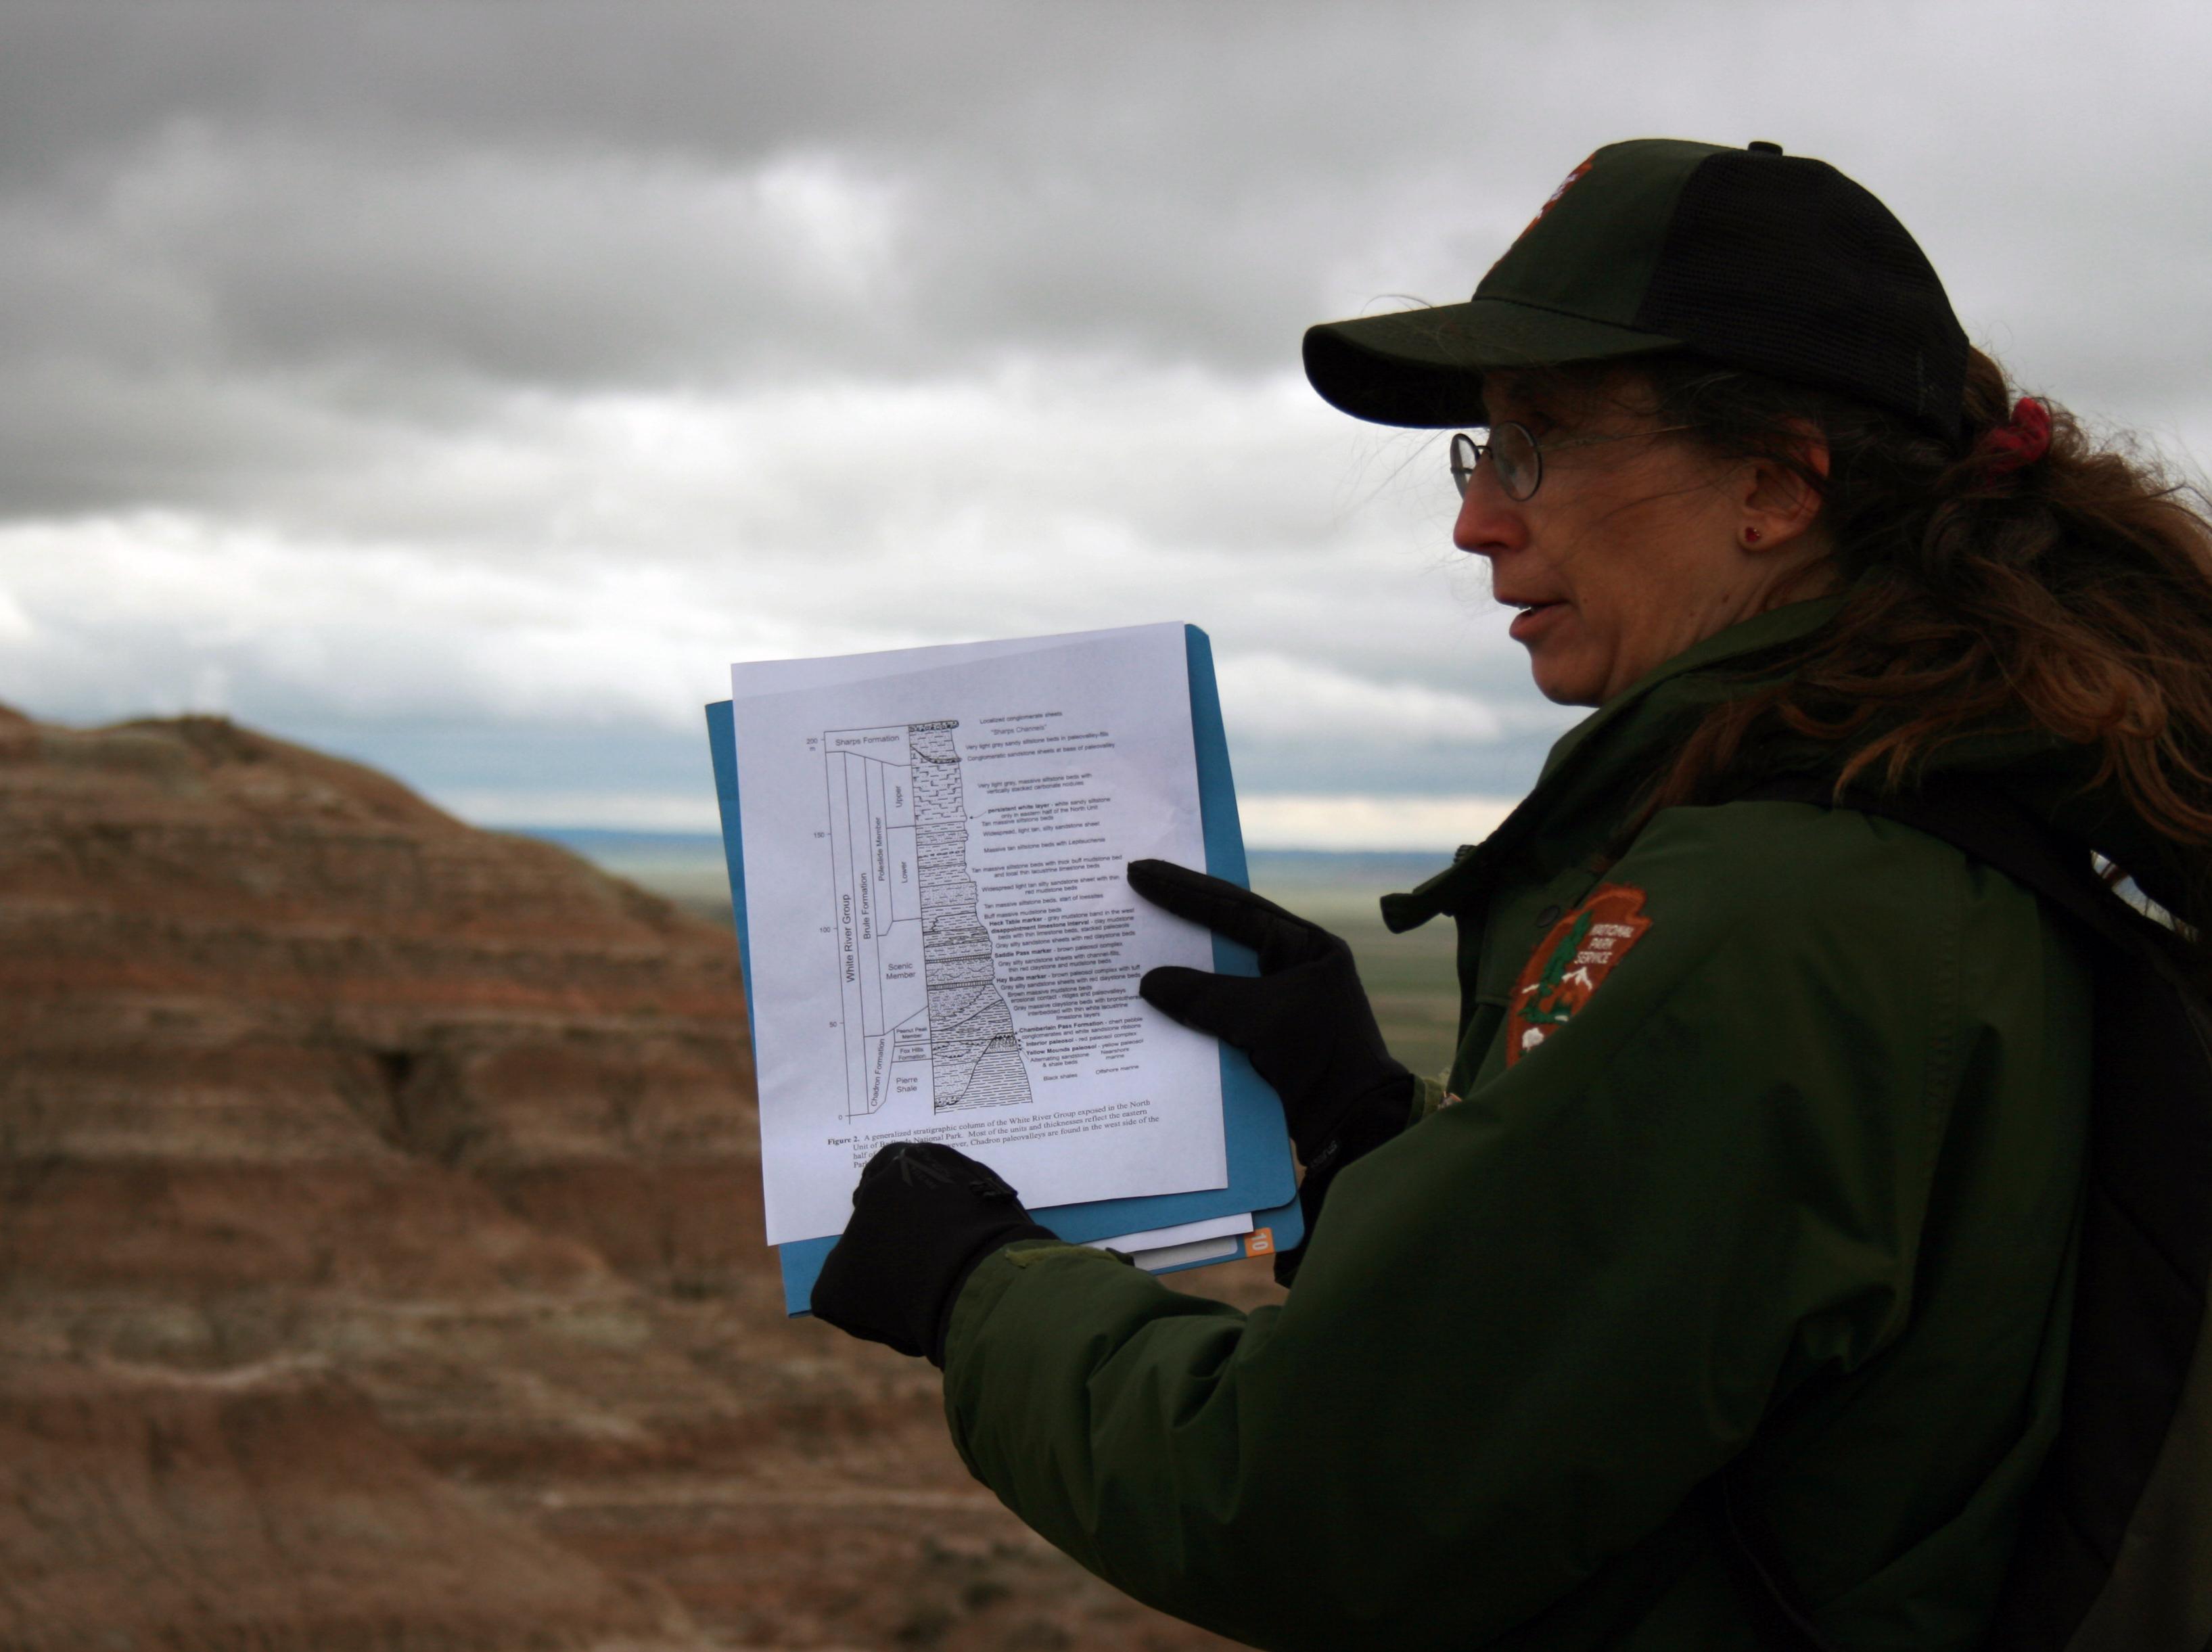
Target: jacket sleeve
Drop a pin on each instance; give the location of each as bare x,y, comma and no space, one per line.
1537,1322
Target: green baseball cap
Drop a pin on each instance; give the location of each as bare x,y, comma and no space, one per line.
1779,265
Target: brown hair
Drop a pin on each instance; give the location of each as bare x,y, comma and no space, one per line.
2072,596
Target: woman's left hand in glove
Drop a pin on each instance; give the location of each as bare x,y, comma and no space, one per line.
1305,1020
924,1217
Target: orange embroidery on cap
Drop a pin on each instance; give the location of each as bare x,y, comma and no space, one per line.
1552,200
1570,962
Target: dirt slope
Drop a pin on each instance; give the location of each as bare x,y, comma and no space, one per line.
379,1258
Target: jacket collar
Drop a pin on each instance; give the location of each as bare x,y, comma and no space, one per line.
1593,773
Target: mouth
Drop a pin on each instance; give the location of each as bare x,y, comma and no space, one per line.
1532,618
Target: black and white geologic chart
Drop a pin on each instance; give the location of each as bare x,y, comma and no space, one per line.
943,940
914,958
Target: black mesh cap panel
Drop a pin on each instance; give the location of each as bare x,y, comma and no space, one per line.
1783,266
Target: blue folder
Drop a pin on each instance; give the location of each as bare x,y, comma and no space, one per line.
1262,1179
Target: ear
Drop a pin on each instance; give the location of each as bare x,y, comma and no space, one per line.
1778,506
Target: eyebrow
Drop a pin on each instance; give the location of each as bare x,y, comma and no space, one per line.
1533,406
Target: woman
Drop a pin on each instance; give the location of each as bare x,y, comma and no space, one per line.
1759,1165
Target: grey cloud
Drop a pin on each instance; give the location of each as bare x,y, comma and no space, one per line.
571,195
557,194
1065,84
454,277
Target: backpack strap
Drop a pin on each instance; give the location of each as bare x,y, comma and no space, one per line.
2115,1553
1991,827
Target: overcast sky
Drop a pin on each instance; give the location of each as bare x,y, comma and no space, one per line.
462,387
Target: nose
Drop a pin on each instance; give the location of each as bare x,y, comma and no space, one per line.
1488,521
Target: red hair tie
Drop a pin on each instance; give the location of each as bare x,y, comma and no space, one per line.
2019,444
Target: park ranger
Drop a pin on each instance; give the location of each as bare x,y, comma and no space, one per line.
1744,1223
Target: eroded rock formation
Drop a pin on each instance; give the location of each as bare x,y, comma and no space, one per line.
267,1507
379,1233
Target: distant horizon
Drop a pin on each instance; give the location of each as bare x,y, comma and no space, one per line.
690,866
595,841
610,839
1300,823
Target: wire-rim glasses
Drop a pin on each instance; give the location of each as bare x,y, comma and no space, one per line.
1512,451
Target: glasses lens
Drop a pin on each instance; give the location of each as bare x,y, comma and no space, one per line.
1466,454
1520,467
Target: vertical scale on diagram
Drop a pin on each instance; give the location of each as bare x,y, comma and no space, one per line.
844,922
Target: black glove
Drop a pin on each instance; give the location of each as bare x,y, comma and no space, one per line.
1305,1020
924,1217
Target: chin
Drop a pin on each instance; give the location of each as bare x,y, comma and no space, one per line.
1561,664
1565,689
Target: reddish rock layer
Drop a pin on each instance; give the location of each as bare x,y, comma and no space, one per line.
236,975
269,1508
298,1073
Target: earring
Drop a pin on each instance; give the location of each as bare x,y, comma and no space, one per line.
1751,536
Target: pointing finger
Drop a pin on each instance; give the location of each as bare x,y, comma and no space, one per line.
1277,936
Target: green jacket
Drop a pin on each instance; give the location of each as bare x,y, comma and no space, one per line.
1786,1175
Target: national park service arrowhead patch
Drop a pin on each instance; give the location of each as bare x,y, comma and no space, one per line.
1570,962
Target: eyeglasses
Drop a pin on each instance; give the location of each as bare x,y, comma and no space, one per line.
1512,451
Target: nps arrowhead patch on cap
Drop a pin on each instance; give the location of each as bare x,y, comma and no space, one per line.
1552,199
1570,962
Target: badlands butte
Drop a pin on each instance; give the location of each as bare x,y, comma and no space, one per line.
381,1243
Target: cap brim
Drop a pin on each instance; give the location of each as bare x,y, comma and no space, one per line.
1424,368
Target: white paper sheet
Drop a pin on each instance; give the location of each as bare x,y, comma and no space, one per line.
1197,1250
1183,1233
943,943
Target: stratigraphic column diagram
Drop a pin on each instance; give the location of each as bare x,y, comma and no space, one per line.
914,959
974,1058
